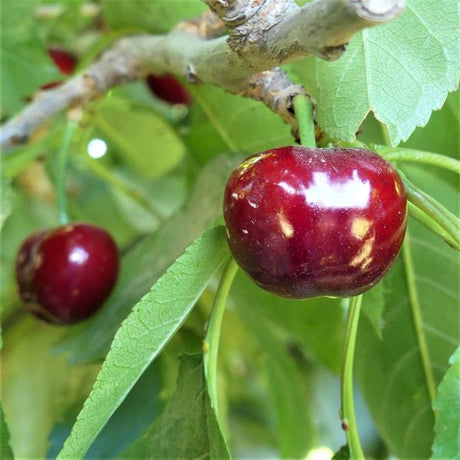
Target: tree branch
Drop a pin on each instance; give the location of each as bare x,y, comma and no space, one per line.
262,35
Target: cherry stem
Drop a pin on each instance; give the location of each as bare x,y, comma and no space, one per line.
211,341
432,225
303,109
119,184
417,317
62,157
418,156
433,209
348,408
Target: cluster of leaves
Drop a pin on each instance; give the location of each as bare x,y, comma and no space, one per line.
159,191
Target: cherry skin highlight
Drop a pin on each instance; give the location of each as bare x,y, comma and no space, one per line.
305,222
65,274
169,89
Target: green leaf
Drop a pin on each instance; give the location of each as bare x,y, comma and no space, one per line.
373,304
147,144
6,452
223,119
141,407
152,16
394,383
434,136
142,336
416,56
288,386
342,453
447,426
25,63
305,321
146,262
188,427
36,386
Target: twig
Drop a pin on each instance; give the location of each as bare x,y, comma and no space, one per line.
274,33
277,92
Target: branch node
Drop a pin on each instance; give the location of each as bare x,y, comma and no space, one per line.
191,75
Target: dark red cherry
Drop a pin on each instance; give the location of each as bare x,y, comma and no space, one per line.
169,89
65,274
65,61
306,222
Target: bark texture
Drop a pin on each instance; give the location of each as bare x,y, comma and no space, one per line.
262,34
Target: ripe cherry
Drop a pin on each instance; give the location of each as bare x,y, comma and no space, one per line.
306,222
64,274
64,60
169,89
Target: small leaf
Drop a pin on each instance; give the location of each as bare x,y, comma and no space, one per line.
447,426
147,261
142,336
416,56
188,427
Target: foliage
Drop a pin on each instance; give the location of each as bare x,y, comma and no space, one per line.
447,404
159,191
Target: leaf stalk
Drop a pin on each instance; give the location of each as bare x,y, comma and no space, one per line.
417,318
62,158
211,341
419,156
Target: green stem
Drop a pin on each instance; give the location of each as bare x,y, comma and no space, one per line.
118,184
63,217
304,114
211,341
418,156
348,408
432,208
417,317
429,223
385,134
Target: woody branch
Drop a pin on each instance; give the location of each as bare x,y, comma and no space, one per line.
262,34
